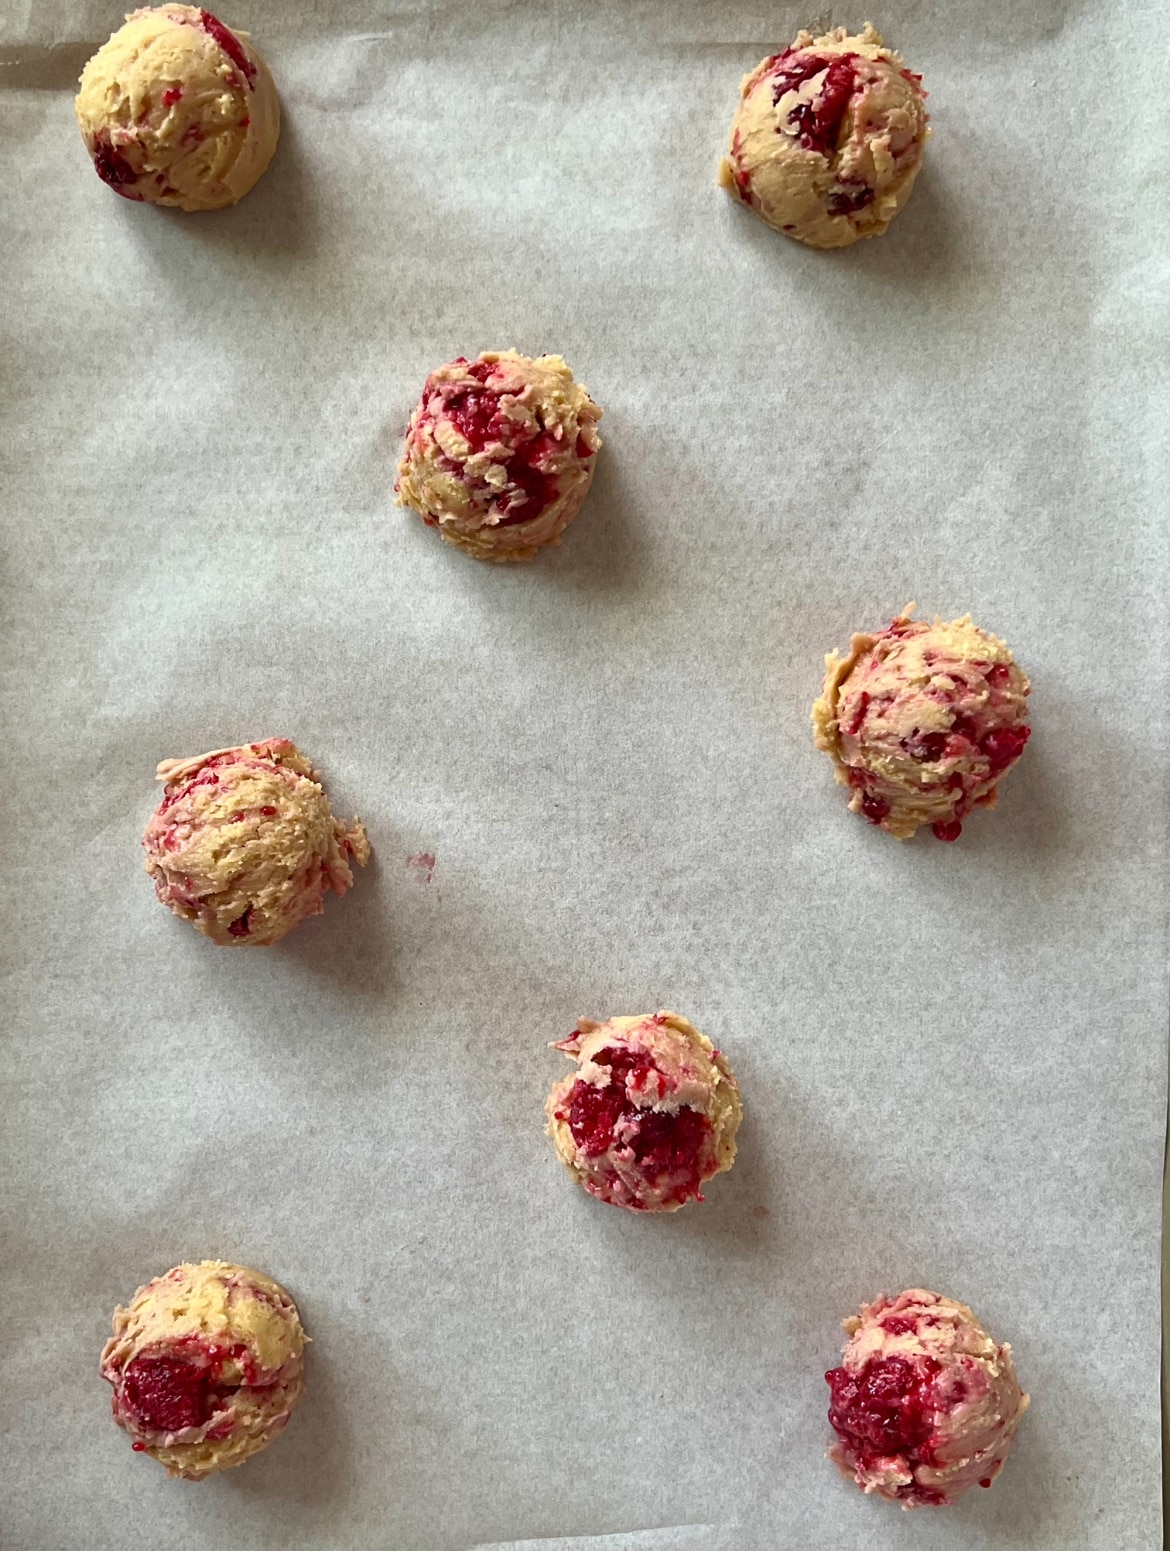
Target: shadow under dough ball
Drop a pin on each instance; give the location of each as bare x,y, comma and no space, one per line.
178,109
828,138
207,1366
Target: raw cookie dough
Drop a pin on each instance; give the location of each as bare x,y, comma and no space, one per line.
177,109
244,844
922,721
206,1365
500,453
827,140
925,1404
649,1115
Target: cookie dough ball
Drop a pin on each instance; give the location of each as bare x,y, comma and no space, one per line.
244,844
500,453
207,1366
922,722
925,1404
828,138
177,109
650,1114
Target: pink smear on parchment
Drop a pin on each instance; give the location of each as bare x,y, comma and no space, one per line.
423,864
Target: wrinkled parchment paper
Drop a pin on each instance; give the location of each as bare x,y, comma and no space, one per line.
952,1058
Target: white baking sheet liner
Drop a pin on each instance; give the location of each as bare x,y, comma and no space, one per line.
952,1057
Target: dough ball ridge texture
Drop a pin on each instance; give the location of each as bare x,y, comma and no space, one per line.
244,844
925,1404
178,109
207,1366
650,1114
922,722
828,137
500,453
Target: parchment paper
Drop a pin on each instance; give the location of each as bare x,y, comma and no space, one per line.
952,1058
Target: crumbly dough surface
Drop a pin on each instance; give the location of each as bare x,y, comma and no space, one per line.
828,137
207,1366
244,844
922,721
649,1115
178,109
500,453
923,1363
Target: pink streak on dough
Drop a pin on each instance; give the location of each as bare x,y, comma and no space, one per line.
650,1114
925,1403
206,1365
500,453
244,844
922,722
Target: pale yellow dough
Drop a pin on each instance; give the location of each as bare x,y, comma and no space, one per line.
500,453
244,844
670,1067
827,140
177,109
236,1330
922,722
